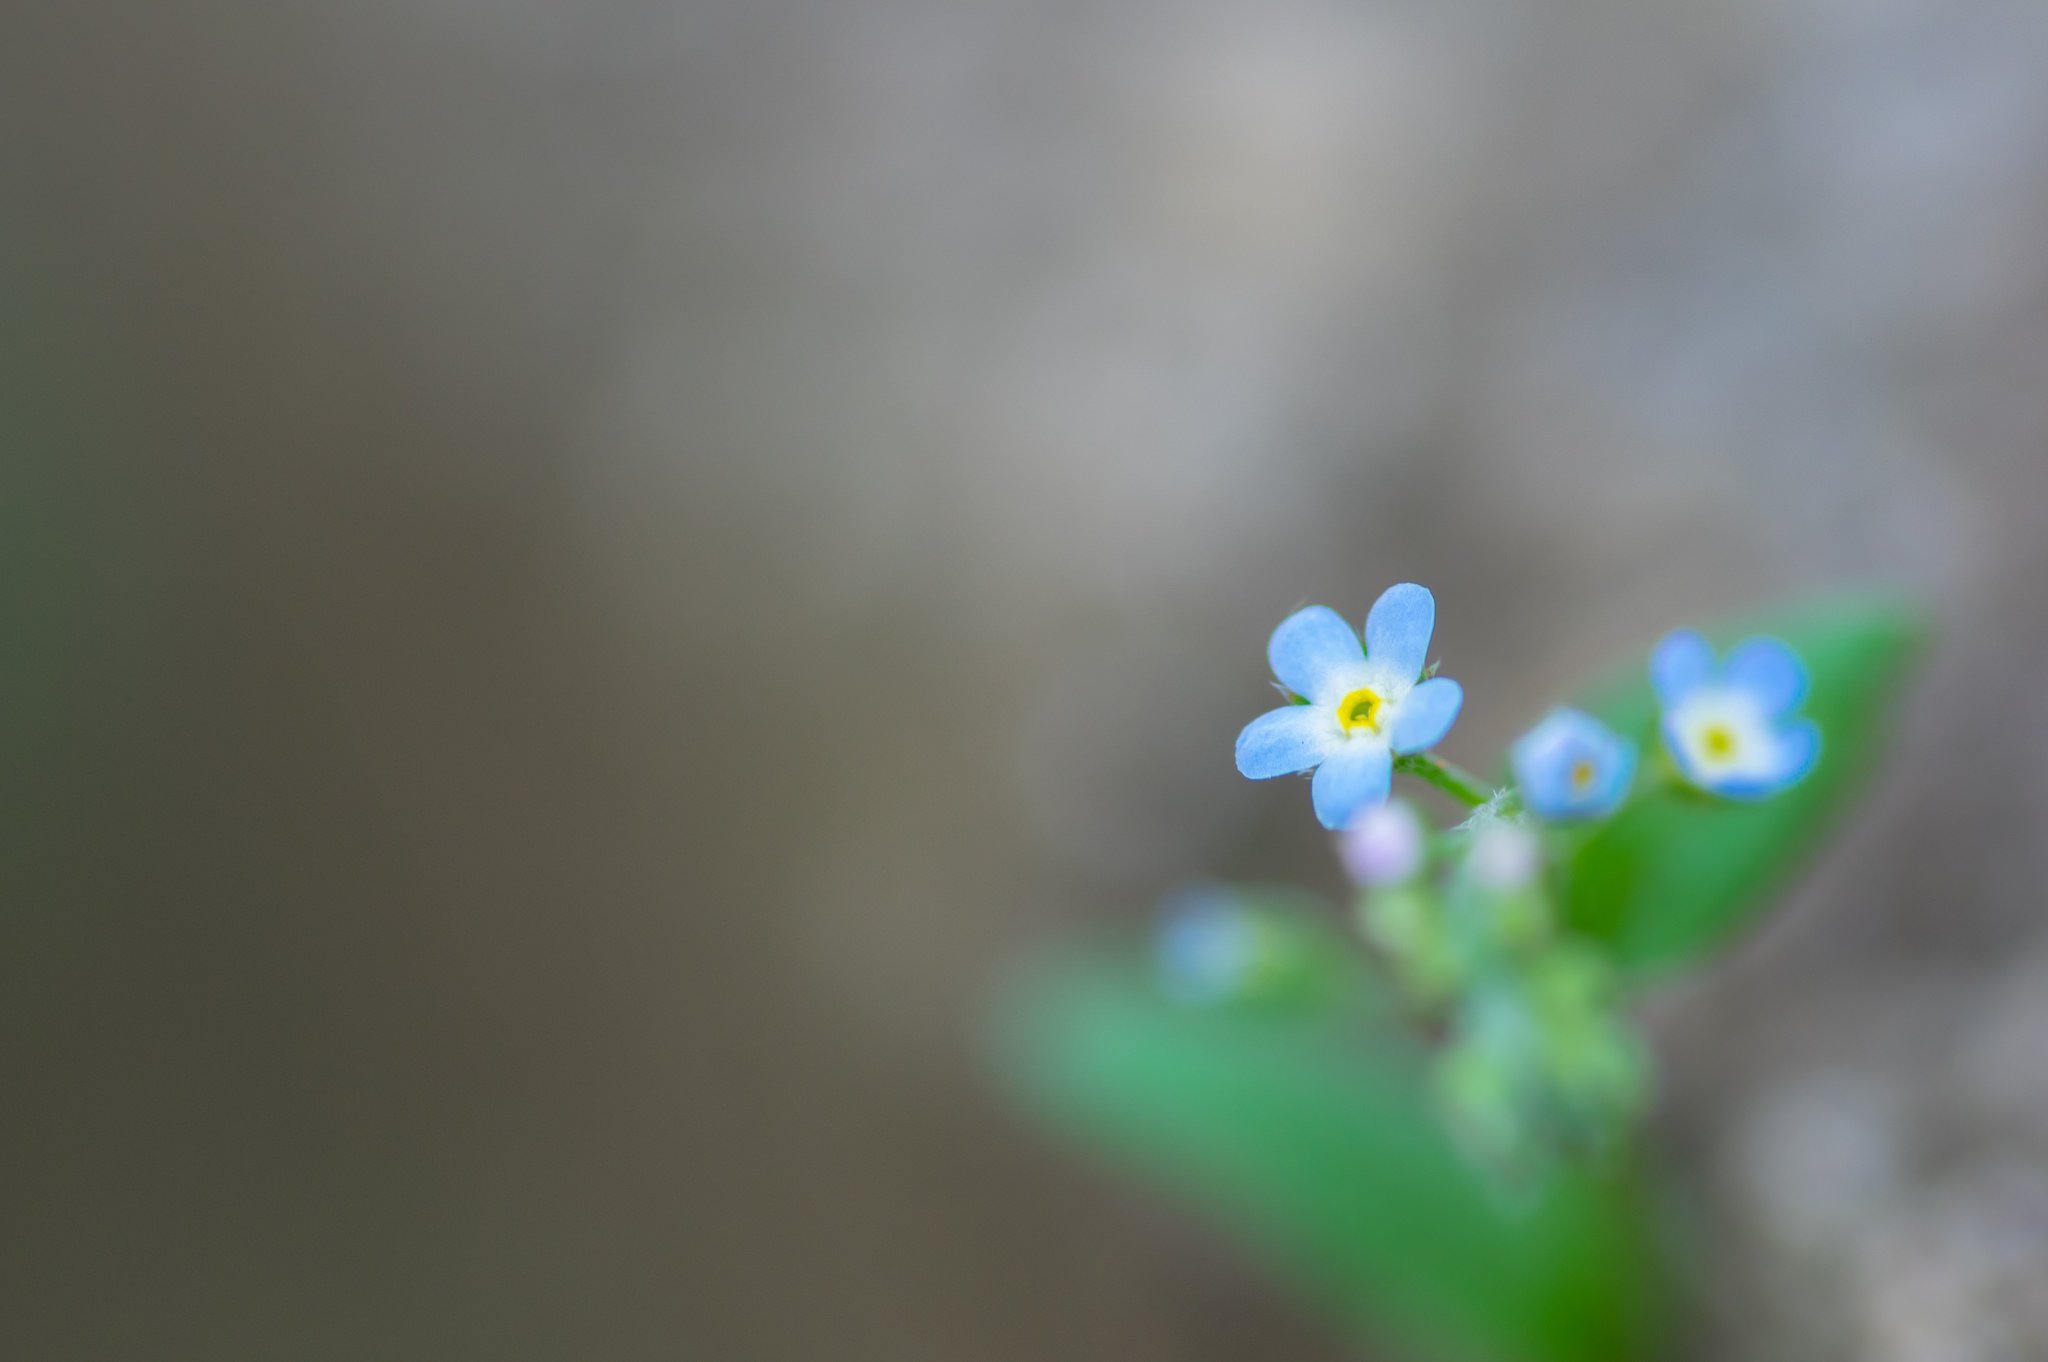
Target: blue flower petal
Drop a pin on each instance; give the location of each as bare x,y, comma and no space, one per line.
1283,741
1426,714
1681,663
1771,672
1681,752
1398,630
1312,648
1798,752
1616,778
1352,778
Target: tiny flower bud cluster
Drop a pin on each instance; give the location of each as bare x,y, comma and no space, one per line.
1537,1059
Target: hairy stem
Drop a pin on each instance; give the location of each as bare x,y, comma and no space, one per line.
1454,781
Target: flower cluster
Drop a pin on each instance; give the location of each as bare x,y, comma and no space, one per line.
1730,727
1537,1055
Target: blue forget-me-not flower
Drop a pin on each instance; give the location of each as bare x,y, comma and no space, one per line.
1364,705
1730,723
1572,766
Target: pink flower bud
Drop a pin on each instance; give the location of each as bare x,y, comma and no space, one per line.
1384,845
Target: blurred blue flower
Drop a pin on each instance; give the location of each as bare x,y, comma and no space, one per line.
1572,766
1364,704
1208,948
1730,723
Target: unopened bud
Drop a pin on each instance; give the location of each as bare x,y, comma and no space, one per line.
1505,858
1384,846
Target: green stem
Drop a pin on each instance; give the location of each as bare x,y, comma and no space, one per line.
1454,781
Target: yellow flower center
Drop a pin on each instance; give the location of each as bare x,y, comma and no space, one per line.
1719,740
1360,709
1582,775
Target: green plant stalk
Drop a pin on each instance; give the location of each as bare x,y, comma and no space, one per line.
1454,781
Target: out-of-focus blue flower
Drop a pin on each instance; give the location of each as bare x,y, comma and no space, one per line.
1208,949
1365,704
1383,845
1572,766
1730,723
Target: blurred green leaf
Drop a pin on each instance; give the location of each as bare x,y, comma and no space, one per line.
1307,1128
1678,874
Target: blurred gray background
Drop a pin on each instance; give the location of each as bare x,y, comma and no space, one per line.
578,579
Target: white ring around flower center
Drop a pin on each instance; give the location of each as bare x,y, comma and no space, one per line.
1723,733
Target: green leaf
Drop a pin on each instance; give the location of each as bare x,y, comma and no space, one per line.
1677,873
1307,1129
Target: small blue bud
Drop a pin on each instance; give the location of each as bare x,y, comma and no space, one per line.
1571,766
